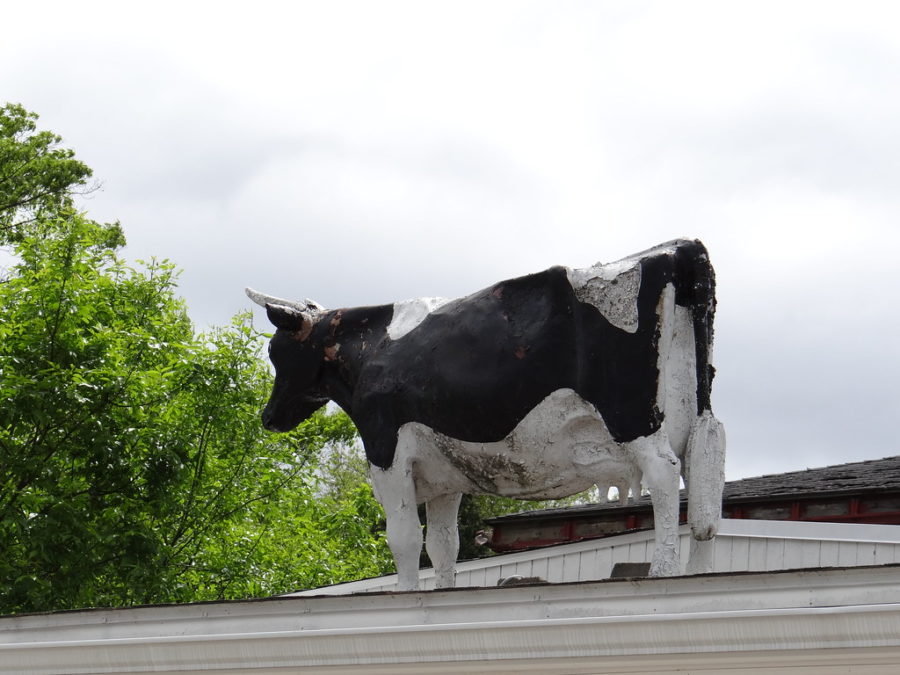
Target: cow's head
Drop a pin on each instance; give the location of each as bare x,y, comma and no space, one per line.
297,355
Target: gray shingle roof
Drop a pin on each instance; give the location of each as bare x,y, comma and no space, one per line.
874,475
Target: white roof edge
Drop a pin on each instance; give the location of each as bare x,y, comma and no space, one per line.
804,529
755,614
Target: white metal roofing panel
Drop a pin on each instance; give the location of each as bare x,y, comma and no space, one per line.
820,619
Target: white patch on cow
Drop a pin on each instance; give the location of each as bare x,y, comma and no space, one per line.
665,310
561,447
681,382
410,313
612,288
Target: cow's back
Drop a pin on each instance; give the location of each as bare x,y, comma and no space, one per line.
476,366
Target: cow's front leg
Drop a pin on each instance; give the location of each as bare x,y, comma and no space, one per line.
442,538
662,472
395,490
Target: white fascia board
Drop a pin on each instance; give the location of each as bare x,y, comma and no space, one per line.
803,529
549,625
548,642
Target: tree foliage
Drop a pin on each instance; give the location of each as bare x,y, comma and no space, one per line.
37,176
133,465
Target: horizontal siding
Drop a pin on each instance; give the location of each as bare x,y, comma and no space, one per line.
560,564
763,554
741,546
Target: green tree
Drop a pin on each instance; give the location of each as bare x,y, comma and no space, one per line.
133,465
37,176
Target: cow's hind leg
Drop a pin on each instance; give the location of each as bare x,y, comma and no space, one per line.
442,537
662,473
395,490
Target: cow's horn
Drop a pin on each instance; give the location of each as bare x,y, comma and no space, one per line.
262,300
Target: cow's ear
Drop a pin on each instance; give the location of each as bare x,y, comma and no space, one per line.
288,318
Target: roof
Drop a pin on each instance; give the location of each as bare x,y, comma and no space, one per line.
841,479
789,622
876,475
740,546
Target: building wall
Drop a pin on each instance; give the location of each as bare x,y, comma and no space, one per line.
741,546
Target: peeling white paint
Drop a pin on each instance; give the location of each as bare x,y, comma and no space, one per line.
681,383
662,471
561,447
628,486
410,313
706,459
396,492
612,288
442,538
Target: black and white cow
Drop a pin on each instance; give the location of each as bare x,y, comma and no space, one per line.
537,387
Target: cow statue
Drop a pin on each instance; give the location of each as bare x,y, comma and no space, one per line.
536,388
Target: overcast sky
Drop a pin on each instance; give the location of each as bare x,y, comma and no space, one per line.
360,153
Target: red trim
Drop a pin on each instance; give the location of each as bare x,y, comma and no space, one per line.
882,518
568,530
520,544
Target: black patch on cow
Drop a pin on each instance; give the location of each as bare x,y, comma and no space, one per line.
696,289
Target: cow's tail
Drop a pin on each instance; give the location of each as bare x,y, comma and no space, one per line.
704,461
